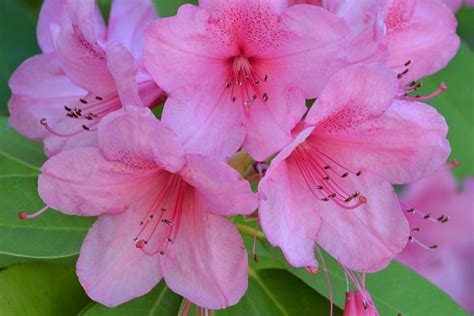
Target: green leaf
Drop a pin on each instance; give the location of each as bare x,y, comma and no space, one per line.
161,301
465,29
396,289
40,289
50,235
18,34
456,104
277,292
169,8
17,153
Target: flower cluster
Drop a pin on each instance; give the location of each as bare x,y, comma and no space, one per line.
233,74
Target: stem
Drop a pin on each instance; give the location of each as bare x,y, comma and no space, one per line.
249,231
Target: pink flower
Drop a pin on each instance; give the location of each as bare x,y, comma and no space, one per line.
413,37
449,266
357,305
238,71
455,5
85,72
332,185
161,214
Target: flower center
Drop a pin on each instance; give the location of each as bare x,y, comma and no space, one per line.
326,178
245,82
160,226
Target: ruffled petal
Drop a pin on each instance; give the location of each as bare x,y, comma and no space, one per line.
288,213
223,190
82,182
429,49
127,23
111,268
207,263
206,124
82,57
378,225
50,14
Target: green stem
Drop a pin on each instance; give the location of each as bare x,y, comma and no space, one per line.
249,231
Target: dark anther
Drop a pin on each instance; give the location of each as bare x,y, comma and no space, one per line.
412,83
162,209
326,178
348,199
166,221
411,210
99,98
416,229
257,82
408,63
254,97
228,84
445,220
325,199
327,167
345,174
320,187
162,252
265,78
399,76
67,108
234,99
83,101
151,216
405,72
169,239
332,196
239,82
433,246
135,239
141,223
427,216
86,127
265,97
410,238
358,173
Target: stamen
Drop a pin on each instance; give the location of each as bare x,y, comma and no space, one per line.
44,122
23,215
442,87
414,240
254,248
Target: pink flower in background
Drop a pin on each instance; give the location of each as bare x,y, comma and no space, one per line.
450,265
357,305
414,35
85,72
238,71
455,5
332,185
161,214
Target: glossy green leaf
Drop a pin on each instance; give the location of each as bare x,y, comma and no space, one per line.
161,301
40,289
465,29
456,104
169,8
18,34
49,235
17,153
396,289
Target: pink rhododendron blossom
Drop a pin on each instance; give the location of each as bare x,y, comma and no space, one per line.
332,185
430,201
357,305
455,5
238,71
413,37
85,72
161,213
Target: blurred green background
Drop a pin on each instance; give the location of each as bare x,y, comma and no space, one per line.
37,257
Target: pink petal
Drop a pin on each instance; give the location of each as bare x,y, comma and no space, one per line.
428,48
406,143
205,123
111,268
288,213
124,71
223,190
207,263
277,6
454,5
51,13
179,51
128,21
378,225
353,95
82,182
269,124
82,57
135,136
314,49
40,89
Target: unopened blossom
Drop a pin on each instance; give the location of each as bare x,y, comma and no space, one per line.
441,216
358,305
333,185
415,38
238,71
161,214
85,71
